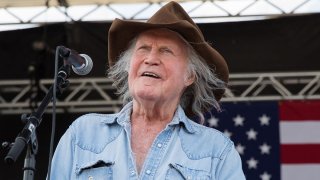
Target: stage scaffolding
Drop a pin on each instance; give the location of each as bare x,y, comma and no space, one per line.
98,95
39,12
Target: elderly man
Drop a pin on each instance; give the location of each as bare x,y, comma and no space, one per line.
166,73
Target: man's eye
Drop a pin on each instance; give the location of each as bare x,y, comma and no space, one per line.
166,50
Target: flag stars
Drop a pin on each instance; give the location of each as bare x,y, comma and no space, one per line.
213,122
238,120
264,120
265,148
252,134
240,149
227,133
252,163
265,176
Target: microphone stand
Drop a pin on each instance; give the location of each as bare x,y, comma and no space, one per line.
28,134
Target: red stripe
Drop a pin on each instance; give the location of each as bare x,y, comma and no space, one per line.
299,110
304,153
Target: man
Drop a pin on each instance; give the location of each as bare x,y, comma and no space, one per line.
165,72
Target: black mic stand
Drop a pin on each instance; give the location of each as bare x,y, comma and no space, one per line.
28,134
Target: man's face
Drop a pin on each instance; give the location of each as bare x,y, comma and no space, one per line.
158,68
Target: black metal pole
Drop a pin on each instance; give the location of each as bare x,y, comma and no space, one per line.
29,165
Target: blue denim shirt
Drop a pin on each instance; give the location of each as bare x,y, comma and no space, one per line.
97,146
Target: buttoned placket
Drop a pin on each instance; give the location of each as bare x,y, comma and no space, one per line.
156,154
133,175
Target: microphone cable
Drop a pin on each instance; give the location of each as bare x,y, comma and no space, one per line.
54,100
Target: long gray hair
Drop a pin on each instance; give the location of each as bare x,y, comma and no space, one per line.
200,94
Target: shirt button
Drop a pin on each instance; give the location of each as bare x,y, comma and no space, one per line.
133,173
159,145
90,178
148,171
189,177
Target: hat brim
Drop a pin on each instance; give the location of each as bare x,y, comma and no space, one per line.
122,32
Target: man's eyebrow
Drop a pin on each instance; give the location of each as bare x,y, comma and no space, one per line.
143,45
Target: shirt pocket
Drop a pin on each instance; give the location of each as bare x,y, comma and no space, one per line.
95,170
177,172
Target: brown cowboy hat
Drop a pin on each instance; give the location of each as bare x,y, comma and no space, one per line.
173,17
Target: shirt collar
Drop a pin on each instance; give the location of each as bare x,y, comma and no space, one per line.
123,117
181,118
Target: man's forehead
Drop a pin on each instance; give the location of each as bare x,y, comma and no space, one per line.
160,34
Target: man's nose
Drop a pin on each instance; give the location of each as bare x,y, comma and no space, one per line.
153,58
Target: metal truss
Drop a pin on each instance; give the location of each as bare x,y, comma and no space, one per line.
273,86
98,94
201,11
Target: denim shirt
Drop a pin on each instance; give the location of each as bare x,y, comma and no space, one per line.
97,146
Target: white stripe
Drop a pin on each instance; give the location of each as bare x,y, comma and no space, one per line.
300,172
304,132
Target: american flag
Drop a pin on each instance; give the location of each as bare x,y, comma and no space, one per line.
277,140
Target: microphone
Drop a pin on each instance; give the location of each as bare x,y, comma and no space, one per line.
81,63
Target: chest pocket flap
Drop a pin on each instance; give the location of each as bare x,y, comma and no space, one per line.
177,171
95,170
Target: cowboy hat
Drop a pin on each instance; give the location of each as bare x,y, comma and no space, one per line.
171,16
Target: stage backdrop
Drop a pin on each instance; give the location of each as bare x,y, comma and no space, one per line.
274,138
275,45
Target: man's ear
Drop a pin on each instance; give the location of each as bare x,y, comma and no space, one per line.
190,79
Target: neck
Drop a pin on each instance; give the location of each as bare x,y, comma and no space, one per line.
152,113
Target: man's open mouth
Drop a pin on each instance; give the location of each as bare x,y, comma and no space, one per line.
150,74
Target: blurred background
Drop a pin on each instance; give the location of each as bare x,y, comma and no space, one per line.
270,111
